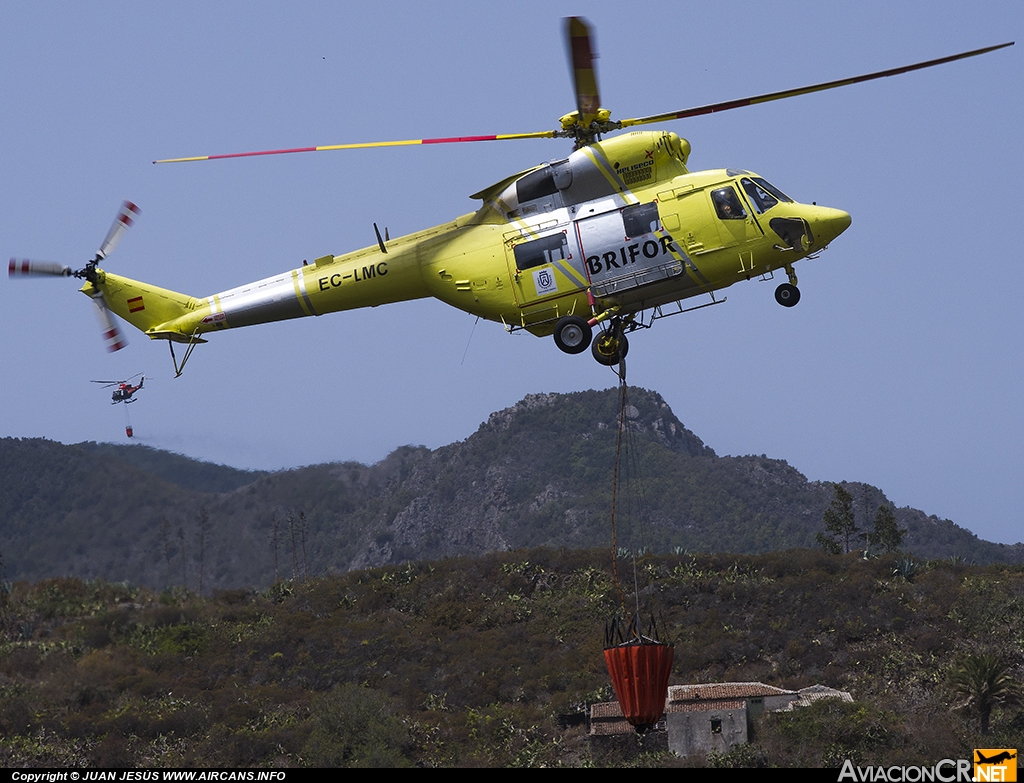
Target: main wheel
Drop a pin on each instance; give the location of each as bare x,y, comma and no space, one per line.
787,295
573,334
609,349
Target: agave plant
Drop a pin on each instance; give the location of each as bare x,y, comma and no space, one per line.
907,568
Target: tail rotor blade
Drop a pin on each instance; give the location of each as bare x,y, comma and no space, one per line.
122,223
24,267
112,337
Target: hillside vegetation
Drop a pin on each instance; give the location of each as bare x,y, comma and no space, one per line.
536,474
482,661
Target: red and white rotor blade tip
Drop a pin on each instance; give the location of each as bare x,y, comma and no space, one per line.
25,267
127,215
112,337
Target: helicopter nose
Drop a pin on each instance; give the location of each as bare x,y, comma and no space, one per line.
830,223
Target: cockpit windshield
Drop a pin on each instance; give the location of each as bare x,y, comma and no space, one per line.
762,195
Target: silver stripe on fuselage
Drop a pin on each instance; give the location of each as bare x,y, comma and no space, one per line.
270,299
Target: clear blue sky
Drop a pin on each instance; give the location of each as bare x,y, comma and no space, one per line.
901,366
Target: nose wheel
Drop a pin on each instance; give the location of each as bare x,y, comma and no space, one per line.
787,295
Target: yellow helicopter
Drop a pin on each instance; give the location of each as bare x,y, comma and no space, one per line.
617,235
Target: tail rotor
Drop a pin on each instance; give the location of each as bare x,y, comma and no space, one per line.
113,339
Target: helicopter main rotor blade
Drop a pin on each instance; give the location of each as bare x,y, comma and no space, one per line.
24,267
125,217
112,337
367,145
776,96
584,76
590,120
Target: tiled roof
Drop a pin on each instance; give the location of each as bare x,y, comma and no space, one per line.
694,706
610,728
713,691
606,719
607,709
815,692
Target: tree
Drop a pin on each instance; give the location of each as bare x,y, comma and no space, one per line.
184,562
165,542
984,682
886,533
274,540
840,523
202,528
829,544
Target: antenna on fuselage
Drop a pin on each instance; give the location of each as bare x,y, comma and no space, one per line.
380,242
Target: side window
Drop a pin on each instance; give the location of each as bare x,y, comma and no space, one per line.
727,204
541,251
640,219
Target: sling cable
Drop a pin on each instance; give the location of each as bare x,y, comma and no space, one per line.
637,662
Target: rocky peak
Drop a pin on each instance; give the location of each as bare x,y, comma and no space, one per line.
582,413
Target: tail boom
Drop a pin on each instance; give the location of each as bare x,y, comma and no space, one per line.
332,283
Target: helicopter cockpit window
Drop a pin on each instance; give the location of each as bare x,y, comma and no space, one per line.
640,219
541,251
773,190
727,204
760,198
536,184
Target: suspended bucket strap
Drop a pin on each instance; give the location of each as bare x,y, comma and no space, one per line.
615,480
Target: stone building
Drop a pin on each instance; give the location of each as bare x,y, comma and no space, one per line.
711,716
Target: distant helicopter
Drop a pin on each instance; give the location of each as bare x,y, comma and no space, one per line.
124,391
615,236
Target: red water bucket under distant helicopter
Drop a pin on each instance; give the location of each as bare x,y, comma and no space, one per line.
128,431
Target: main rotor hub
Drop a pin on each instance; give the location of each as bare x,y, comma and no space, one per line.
573,127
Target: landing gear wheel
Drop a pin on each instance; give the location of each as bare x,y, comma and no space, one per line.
610,348
787,295
573,334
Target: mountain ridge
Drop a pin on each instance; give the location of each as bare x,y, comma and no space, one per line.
537,473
